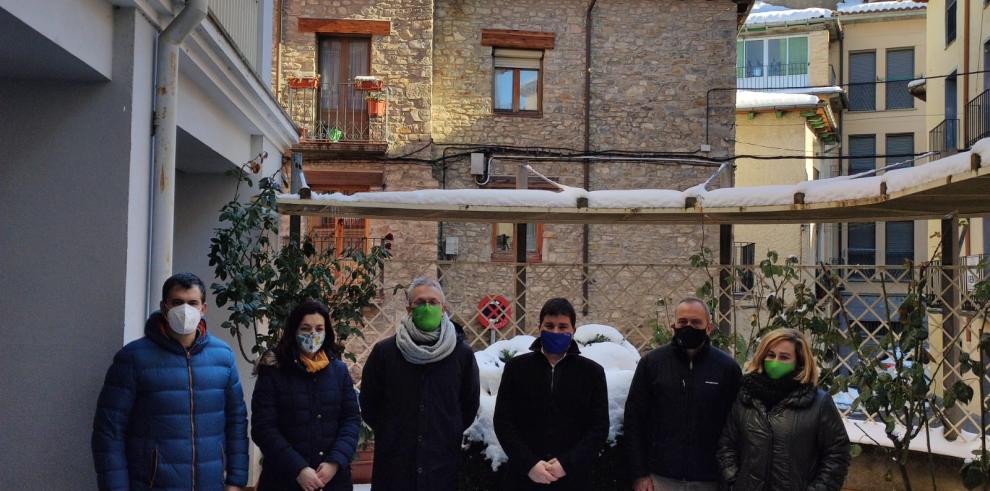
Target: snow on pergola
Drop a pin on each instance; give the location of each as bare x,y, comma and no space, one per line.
958,184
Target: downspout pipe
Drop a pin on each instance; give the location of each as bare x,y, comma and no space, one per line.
166,85
586,166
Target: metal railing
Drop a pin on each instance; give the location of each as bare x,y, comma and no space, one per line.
331,113
978,118
344,245
772,76
943,140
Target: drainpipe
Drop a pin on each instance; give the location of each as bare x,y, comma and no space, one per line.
166,83
586,166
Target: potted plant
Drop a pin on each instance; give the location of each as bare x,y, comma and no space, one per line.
364,460
376,104
369,82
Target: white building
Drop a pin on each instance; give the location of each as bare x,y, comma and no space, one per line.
77,85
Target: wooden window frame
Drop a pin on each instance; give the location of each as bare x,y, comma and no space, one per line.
515,111
535,256
337,225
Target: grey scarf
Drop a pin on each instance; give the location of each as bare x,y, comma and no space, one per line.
420,347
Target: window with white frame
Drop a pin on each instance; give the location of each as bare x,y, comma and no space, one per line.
772,57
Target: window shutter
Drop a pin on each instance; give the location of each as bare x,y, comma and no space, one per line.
518,58
862,145
862,243
900,71
863,76
899,145
899,243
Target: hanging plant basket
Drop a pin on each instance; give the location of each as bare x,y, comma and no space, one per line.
304,83
369,83
376,108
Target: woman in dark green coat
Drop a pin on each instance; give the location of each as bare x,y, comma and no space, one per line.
784,433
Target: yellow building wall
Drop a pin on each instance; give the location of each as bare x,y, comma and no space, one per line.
880,34
768,134
945,58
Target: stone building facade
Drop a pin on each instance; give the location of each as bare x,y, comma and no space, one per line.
447,66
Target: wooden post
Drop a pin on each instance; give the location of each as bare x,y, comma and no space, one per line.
522,181
725,279
950,321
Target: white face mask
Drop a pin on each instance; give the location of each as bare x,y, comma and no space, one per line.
183,319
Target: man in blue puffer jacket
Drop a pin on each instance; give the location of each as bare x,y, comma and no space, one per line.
171,414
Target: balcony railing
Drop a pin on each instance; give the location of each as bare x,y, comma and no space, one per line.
344,245
332,113
978,118
943,140
772,76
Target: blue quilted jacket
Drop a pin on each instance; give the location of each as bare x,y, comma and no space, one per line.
169,418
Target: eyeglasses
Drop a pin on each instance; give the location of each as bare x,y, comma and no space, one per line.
420,303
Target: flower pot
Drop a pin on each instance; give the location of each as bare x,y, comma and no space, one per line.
304,83
370,85
376,108
364,462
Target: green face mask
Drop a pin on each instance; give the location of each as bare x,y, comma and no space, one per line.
778,369
427,317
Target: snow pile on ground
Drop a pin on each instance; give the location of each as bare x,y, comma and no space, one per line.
604,345
872,433
859,7
750,99
764,13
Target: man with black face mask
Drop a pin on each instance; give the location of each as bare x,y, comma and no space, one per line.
678,401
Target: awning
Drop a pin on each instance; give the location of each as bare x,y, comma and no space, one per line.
955,185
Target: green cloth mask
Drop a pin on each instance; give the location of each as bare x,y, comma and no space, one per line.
778,369
427,317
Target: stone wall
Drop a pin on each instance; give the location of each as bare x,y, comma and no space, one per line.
653,63
404,58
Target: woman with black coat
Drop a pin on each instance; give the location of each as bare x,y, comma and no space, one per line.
304,411
784,433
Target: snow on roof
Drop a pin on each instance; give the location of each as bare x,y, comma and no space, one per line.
859,7
823,90
916,83
818,191
749,99
764,13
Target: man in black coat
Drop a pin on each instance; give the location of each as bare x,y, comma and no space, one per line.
419,392
551,413
680,396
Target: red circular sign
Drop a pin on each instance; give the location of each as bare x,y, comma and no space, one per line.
494,311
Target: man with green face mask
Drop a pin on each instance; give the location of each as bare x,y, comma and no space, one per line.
419,392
